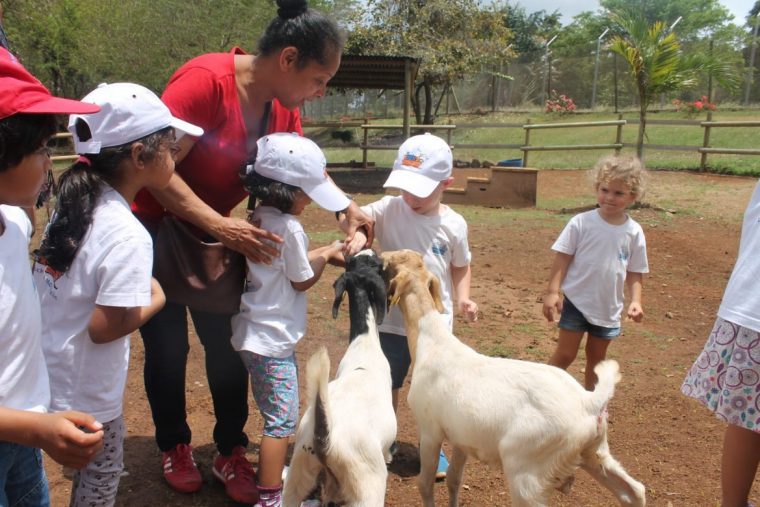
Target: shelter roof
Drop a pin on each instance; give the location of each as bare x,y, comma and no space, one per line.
369,71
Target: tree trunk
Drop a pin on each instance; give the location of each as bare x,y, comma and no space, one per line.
428,103
642,130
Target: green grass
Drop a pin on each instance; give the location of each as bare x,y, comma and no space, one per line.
684,135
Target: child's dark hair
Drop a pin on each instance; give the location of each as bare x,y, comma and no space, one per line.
22,134
79,188
314,35
269,192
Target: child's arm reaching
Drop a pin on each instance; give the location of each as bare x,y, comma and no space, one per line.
109,323
552,302
461,277
634,283
318,258
70,438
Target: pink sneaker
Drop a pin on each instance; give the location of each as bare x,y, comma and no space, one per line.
237,474
180,470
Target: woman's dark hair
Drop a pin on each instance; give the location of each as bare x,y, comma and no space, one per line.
79,188
22,134
269,192
314,35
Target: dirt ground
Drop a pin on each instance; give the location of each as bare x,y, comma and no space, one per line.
668,442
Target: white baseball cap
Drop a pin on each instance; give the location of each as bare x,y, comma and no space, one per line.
298,161
421,164
128,112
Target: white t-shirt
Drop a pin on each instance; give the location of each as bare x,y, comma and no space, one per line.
441,239
24,381
112,267
272,314
741,301
603,253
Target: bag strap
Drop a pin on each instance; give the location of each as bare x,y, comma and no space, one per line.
263,127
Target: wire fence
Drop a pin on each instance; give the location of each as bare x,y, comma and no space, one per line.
600,82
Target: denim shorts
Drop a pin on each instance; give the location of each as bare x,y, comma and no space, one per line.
22,477
396,350
573,320
274,383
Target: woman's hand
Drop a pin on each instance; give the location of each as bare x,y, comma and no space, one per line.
246,238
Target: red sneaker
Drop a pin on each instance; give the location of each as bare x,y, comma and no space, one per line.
237,474
180,470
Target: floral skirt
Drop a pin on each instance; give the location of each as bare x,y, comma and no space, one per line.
726,375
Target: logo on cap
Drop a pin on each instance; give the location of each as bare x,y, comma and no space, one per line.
412,160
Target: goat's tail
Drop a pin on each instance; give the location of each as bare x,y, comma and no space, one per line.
317,377
607,374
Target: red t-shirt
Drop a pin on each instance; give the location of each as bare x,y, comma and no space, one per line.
203,91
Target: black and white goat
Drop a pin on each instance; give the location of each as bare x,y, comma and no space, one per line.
349,425
533,420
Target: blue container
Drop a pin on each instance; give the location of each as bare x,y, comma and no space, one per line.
512,162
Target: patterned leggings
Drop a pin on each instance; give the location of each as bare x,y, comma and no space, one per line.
97,483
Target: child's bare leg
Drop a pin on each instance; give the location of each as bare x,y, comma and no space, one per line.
567,348
741,453
272,461
596,351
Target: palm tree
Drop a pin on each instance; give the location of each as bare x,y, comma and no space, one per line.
658,65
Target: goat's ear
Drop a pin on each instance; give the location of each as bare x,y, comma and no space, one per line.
434,286
340,291
379,300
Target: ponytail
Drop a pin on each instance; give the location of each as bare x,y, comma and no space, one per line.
79,188
314,35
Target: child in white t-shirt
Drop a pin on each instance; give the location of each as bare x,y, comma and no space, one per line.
288,174
27,123
93,267
417,220
598,253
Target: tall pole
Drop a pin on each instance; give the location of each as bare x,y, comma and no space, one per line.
596,66
662,95
709,74
548,76
751,69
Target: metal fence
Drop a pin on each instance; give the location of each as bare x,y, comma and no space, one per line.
604,82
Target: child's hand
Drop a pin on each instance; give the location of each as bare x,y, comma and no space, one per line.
635,312
358,243
469,308
552,306
70,438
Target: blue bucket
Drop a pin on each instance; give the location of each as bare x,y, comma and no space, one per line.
512,162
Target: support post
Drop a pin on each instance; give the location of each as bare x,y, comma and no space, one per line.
596,66
619,135
526,144
705,143
407,96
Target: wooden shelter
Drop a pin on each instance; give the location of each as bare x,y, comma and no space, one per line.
379,72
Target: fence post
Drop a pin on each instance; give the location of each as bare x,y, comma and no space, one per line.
526,144
705,143
365,143
619,135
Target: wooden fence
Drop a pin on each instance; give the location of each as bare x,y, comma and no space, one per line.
366,146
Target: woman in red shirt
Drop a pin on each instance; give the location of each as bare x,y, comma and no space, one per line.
236,98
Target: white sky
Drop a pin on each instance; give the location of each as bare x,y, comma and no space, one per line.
569,8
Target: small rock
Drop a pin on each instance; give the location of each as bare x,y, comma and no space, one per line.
668,315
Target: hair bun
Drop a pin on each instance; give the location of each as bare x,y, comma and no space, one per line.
288,9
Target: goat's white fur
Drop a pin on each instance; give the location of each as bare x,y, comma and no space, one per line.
535,421
361,424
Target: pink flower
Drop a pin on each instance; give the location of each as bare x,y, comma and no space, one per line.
698,104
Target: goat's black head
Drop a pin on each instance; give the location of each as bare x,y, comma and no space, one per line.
363,280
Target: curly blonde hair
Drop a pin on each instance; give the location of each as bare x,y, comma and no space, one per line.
625,168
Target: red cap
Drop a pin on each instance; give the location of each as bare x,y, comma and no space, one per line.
20,92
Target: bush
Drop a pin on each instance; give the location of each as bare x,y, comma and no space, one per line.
559,104
692,108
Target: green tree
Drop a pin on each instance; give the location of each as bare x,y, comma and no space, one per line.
452,39
657,64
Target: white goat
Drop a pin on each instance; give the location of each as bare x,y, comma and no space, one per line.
349,425
535,421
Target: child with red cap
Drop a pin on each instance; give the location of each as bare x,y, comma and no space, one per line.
72,438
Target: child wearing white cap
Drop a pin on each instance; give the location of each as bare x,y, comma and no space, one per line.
93,267
289,172
417,220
